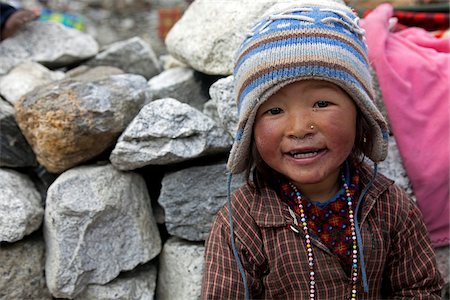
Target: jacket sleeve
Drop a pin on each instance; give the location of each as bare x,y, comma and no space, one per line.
411,268
221,276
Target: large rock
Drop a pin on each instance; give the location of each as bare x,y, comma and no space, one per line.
179,83
86,73
216,28
21,208
192,197
48,43
15,151
167,131
22,270
132,56
215,31
98,222
180,270
221,93
24,78
70,122
139,284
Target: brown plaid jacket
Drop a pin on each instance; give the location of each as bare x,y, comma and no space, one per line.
400,262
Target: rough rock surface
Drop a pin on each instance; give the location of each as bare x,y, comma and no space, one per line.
24,78
132,56
95,232
221,93
167,131
41,42
22,270
210,46
393,168
86,73
180,270
192,197
70,122
179,83
15,151
139,284
21,208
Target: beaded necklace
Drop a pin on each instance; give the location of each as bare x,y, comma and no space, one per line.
349,194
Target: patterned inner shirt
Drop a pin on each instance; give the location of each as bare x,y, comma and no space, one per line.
329,221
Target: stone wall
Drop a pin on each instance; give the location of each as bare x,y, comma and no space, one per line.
112,159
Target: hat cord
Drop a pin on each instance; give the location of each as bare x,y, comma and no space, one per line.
233,245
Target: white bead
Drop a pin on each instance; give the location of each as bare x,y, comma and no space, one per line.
308,241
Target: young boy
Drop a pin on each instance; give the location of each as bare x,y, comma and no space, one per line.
314,220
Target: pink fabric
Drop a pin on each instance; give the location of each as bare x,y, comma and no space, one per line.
413,72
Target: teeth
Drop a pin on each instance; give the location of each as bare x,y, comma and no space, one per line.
304,155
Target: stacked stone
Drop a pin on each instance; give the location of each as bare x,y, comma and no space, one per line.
112,161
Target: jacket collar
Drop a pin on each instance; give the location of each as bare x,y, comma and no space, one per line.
268,210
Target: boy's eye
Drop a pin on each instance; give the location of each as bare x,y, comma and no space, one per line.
274,111
321,104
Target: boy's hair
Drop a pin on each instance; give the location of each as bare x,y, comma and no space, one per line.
301,40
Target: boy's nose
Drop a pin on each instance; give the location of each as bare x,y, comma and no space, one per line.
300,126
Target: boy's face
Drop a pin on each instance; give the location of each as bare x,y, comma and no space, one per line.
305,131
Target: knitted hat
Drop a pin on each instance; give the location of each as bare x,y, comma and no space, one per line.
303,40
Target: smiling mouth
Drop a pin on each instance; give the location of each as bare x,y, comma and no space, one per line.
305,154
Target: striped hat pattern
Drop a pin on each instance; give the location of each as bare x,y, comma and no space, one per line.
303,40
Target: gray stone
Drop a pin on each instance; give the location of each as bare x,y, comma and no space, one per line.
167,131
180,270
86,73
15,152
133,56
21,208
98,222
168,62
48,43
178,83
443,262
108,27
24,78
210,31
393,168
22,270
139,284
73,121
192,197
215,30
221,92
210,110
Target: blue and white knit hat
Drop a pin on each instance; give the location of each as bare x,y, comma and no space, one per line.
303,40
